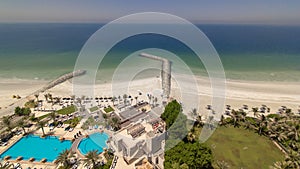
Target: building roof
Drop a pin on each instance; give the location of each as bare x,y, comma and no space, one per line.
129,113
136,130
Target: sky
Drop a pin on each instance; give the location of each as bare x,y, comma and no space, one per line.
196,11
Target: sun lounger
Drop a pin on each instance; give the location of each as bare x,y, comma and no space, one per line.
7,163
17,165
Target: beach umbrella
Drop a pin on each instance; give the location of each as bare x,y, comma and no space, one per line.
7,157
31,159
43,160
19,158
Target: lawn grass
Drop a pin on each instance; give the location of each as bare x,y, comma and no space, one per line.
67,110
73,122
242,148
43,116
108,109
94,108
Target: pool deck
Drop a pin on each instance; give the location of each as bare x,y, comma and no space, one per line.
59,132
75,144
11,142
34,164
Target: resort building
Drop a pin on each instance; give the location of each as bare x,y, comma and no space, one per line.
142,138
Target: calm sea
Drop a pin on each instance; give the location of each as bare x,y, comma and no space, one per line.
248,52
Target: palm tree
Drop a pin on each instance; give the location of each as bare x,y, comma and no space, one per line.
191,137
155,100
46,97
199,122
64,158
131,101
194,113
91,158
37,97
248,125
57,100
293,159
7,123
53,116
115,123
222,165
119,98
73,97
50,97
255,111
41,125
235,118
136,99
222,120
280,165
21,123
184,166
262,124
82,97
176,165
113,99
149,98
293,130
79,101
125,97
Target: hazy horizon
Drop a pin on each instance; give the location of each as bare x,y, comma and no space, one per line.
199,12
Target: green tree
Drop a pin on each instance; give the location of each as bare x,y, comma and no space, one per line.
53,116
41,125
125,99
194,113
6,120
222,165
91,158
170,113
193,155
22,124
64,158
37,97
22,111
113,99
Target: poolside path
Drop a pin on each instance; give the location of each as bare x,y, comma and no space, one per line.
75,145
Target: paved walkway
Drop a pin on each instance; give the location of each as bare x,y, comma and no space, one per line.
75,145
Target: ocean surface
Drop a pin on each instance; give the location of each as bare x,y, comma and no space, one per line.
248,52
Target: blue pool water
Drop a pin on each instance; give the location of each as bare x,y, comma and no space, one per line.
96,141
38,148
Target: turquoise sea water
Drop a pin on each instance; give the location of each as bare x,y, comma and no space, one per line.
248,52
38,148
96,141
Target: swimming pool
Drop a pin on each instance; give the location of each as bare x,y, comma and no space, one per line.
96,141
38,148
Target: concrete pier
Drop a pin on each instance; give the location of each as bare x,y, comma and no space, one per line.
165,73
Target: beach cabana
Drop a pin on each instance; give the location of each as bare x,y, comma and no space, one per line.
19,158
43,160
7,157
61,138
31,159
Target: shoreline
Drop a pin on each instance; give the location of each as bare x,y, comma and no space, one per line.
238,92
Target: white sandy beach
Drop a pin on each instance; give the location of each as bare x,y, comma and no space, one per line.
238,93
23,88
